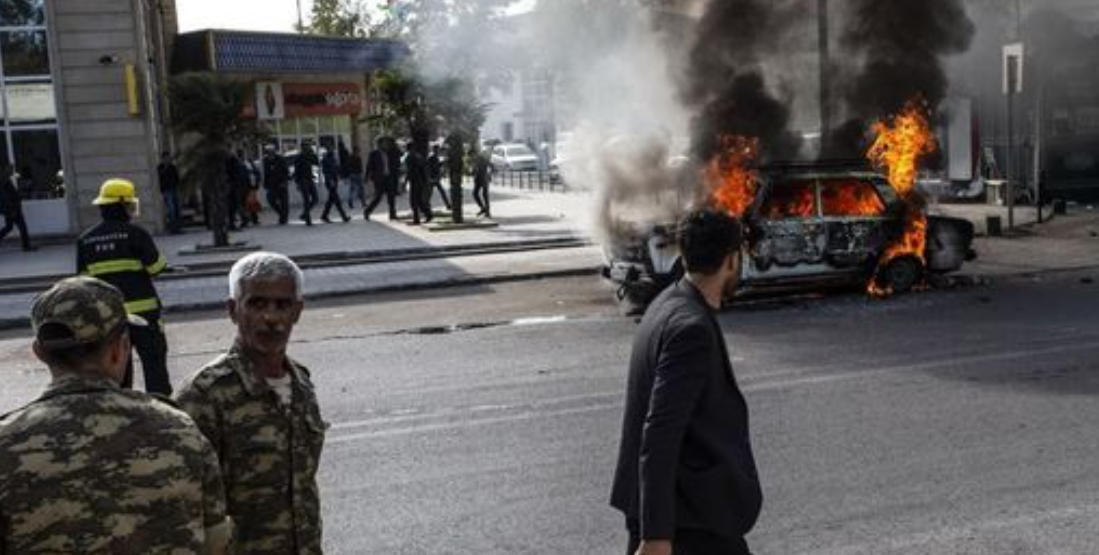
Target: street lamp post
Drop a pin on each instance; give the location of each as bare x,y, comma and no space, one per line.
825,77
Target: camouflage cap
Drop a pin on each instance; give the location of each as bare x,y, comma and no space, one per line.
78,311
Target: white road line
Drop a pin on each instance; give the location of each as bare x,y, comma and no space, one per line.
952,534
764,383
529,415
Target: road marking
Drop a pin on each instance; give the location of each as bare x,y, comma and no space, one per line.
529,415
765,383
768,383
409,415
952,534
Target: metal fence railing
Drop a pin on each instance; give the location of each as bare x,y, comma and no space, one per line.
535,180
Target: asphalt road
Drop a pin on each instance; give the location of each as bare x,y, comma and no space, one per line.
485,420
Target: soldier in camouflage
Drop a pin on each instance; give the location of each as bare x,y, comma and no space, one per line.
91,468
259,409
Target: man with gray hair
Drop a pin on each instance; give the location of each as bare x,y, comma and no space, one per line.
259,409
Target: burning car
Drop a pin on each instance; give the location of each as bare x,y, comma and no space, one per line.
810,225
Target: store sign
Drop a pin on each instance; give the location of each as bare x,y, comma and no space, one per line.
269,101
289,100
322,99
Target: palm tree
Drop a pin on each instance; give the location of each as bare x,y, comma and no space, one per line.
207,115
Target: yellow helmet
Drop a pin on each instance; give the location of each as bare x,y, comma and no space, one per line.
116,190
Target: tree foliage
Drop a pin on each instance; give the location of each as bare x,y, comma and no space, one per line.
340,18
422,109
207,115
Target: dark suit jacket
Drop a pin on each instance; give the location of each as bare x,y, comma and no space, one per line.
685,460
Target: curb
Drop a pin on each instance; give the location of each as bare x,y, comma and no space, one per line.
34,284
8,324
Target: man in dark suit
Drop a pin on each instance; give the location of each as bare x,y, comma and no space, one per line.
383,170
686,478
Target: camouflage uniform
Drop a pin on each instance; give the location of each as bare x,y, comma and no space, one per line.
269,453
90,468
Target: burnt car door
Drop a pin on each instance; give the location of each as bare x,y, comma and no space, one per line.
855,218
787,233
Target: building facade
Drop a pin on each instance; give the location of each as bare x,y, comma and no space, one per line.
83,96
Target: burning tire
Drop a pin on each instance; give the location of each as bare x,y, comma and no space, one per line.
900,275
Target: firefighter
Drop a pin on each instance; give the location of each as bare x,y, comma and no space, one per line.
124,255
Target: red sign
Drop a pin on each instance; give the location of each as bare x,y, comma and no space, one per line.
316,99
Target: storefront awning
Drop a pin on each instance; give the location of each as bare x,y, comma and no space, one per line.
281,53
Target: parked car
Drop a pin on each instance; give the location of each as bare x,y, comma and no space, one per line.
513,157
807,227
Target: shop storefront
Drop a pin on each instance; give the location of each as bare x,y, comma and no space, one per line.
307,89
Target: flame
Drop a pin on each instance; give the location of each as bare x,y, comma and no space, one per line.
900,145
851,198
730,177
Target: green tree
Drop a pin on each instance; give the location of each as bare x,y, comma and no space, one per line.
207,116
340,18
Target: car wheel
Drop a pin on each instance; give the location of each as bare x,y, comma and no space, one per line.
901,274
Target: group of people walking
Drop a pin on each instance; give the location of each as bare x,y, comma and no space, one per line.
388,170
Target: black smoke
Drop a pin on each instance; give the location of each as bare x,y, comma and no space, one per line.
899,47
724,82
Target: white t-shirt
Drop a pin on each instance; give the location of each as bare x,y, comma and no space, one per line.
281,386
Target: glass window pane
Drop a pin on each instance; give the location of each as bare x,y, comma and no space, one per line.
308,129
850,197
25,53
38,162
14,13
790,200
31,102
4,159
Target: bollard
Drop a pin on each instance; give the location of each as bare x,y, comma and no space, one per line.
993,227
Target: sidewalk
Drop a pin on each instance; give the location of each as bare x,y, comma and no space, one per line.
536,229
523,216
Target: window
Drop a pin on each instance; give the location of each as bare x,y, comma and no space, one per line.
28,109
789,200
850,198
18,13
24,53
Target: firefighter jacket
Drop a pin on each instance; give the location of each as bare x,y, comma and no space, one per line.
125,256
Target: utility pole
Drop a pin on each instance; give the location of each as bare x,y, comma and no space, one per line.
301,23
825,75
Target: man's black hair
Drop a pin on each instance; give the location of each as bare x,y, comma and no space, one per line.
115,212
706,238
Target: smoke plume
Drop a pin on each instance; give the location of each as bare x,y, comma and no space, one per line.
725,83
900,47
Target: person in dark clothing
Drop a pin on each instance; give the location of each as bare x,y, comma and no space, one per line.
455,162
686,478
482,176
307,182
330,169
168,175
11,207
124,255
383,173
353,167
237,193
418,187
435,176
252,205
276,180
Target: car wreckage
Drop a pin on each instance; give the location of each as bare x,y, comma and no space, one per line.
809,226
